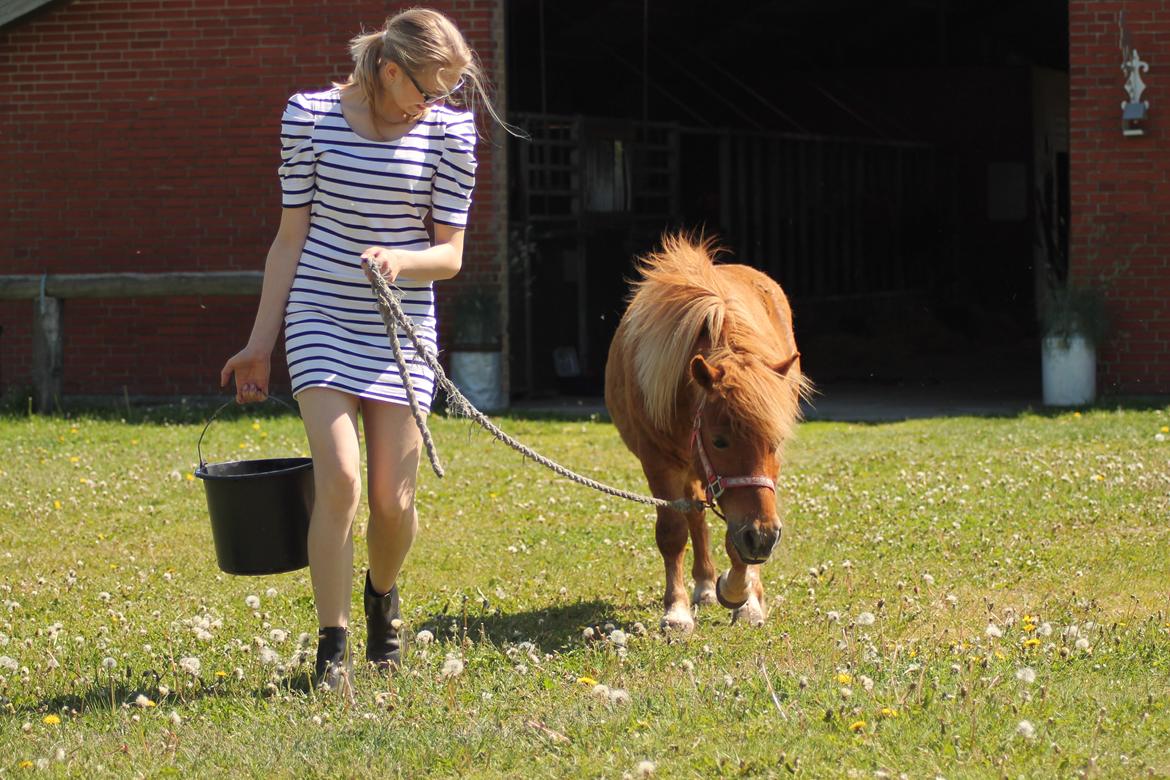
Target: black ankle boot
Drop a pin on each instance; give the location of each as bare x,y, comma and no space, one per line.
334,667
384,637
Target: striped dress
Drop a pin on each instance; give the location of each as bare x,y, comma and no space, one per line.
365,193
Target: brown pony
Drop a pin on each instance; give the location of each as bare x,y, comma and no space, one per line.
704,384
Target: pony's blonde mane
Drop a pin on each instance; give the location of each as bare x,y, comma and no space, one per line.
679,299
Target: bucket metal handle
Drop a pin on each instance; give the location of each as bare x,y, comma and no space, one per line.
199,444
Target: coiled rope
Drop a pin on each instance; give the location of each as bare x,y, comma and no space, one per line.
458,405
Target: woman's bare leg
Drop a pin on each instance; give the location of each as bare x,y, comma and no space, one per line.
330,418
393,444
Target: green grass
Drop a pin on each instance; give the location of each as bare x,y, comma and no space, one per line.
938,528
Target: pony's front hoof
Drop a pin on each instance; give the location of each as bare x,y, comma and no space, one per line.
752,612
704,593
678,620
719,586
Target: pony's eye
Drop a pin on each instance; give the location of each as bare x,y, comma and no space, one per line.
720,442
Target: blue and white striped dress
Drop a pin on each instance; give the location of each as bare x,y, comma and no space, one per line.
365,193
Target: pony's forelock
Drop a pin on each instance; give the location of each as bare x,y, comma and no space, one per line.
680,298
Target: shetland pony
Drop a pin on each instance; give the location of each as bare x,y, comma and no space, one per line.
704,385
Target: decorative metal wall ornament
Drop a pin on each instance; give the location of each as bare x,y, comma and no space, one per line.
1135,110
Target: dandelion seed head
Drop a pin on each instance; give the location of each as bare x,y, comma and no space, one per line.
270,593
278,636
424,637
646,768
619,696
252,601
268,656
600,690
1082,644
191,665
866,619
1026,730
688,665
993,631
1026,675
833,616
108,663
141,700
1044,629
176,718
452,667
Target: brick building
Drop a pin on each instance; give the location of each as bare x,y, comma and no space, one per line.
905,145
142,135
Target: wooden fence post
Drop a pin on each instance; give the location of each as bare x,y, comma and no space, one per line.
47,353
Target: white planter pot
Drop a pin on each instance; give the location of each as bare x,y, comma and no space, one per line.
1068,371
479,376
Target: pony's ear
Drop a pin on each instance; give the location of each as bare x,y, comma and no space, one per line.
784,365
704,373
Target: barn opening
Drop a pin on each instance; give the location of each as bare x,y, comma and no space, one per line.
900,168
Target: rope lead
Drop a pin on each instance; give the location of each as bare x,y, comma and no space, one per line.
459,406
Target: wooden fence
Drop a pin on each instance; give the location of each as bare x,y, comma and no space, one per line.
50,291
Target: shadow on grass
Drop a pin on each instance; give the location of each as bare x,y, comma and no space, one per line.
122,693
551,629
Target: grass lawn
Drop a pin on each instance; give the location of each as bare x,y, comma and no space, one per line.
957,597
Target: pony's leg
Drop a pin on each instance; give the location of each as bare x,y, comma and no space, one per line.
670,531
703,570
741,585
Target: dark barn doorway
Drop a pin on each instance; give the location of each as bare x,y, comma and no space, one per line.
900,168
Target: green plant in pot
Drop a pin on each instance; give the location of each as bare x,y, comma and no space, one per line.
477,320
1072,323
476,355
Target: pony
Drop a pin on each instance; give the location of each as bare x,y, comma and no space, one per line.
704,384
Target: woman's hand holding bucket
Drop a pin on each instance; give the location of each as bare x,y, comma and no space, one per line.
251,367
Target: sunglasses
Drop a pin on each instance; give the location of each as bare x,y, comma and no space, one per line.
428,98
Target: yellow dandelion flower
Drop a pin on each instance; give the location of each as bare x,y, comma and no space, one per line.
263,434
26,764
73,430
134,441
190,477
255,426
56,504
913,653
857,725
1166,429
844,679
82,480
1098,478
74,459
51,720
221,673
888,712
1033,642
587,681
113,567
999,654
242,445
1076,414
1029,627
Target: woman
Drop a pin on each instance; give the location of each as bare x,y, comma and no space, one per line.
363,164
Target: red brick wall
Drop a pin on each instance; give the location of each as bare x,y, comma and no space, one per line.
142,135
1121,188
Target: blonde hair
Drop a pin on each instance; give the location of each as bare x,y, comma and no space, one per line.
420,40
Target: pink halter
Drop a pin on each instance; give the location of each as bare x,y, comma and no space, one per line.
713,484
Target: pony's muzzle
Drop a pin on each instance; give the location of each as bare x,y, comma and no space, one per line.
755,544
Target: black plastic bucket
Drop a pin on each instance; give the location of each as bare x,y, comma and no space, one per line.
259,511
